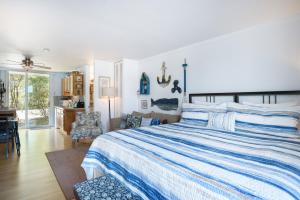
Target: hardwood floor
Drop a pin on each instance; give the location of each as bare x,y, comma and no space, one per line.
30,176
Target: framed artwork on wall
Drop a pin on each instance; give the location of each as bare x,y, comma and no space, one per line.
104,81
144,104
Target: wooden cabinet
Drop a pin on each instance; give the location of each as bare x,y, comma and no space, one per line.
64,117
72,85
77,85
69,117
91,93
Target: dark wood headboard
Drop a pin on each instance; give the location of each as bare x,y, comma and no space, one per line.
210,97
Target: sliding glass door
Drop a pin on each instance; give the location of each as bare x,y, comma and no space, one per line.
29,94
38,99
17,95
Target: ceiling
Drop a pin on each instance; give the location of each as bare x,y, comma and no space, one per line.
78,31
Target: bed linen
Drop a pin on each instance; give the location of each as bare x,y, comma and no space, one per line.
188,161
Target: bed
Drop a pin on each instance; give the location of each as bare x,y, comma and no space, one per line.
187,160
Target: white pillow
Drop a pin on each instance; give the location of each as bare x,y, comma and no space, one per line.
146,121
287,104
198,102
279,119
198,113
222,121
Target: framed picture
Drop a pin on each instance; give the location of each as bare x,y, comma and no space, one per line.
144,104
104,81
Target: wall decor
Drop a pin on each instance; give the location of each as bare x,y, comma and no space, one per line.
144,84
144,104
176,87
165,104
104,82
164,83
184,65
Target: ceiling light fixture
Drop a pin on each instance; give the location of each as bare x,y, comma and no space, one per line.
46,50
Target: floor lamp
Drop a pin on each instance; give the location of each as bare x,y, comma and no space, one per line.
108,92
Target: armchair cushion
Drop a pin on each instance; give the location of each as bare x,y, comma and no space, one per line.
86,125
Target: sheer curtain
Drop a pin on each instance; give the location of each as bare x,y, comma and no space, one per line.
118,86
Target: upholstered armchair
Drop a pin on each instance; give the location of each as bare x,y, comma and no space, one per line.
86,125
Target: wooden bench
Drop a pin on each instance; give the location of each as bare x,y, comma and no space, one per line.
104,187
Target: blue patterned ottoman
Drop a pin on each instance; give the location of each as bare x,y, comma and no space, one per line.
105,187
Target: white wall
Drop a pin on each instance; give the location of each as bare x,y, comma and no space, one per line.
265,57
55,90
130,85
102,68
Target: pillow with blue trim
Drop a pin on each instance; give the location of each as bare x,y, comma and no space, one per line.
222,121
198,113
277,120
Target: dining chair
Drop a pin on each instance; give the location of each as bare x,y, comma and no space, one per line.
5,135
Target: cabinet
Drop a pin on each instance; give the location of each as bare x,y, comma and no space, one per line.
72,85
69,115
64,117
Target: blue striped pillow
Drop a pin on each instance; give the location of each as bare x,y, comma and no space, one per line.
268,119
198,114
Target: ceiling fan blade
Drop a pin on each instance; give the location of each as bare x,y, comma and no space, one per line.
13,61
42,67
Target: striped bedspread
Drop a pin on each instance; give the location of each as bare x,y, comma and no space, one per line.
186,161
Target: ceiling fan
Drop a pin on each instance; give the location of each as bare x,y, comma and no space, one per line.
28,64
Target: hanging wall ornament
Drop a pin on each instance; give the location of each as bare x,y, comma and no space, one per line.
165,104
164,83
184,81
176,87
144,84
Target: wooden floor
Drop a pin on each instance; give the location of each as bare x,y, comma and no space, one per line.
30,176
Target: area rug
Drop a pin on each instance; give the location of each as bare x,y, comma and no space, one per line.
66,166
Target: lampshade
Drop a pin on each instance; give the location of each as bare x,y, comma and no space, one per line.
108,92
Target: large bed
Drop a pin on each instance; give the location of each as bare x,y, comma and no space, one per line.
187,160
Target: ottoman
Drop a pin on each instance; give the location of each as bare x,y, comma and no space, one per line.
105,187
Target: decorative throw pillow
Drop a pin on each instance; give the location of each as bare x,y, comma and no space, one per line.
133,121
146,121
222,121
198,114
155,121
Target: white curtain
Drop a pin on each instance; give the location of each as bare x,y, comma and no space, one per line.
4,76
118,86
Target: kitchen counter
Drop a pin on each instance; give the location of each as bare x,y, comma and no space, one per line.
65,116
70,108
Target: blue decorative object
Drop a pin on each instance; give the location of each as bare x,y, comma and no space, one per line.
104,187
165,104
176,87
155,122
144,84
184,80
164,82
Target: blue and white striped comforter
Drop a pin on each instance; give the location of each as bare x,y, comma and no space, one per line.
185,161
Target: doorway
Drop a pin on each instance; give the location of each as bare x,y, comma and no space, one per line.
29,94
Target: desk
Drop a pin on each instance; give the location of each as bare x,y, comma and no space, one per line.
13,125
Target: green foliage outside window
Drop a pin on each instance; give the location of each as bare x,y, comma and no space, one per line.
39,94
